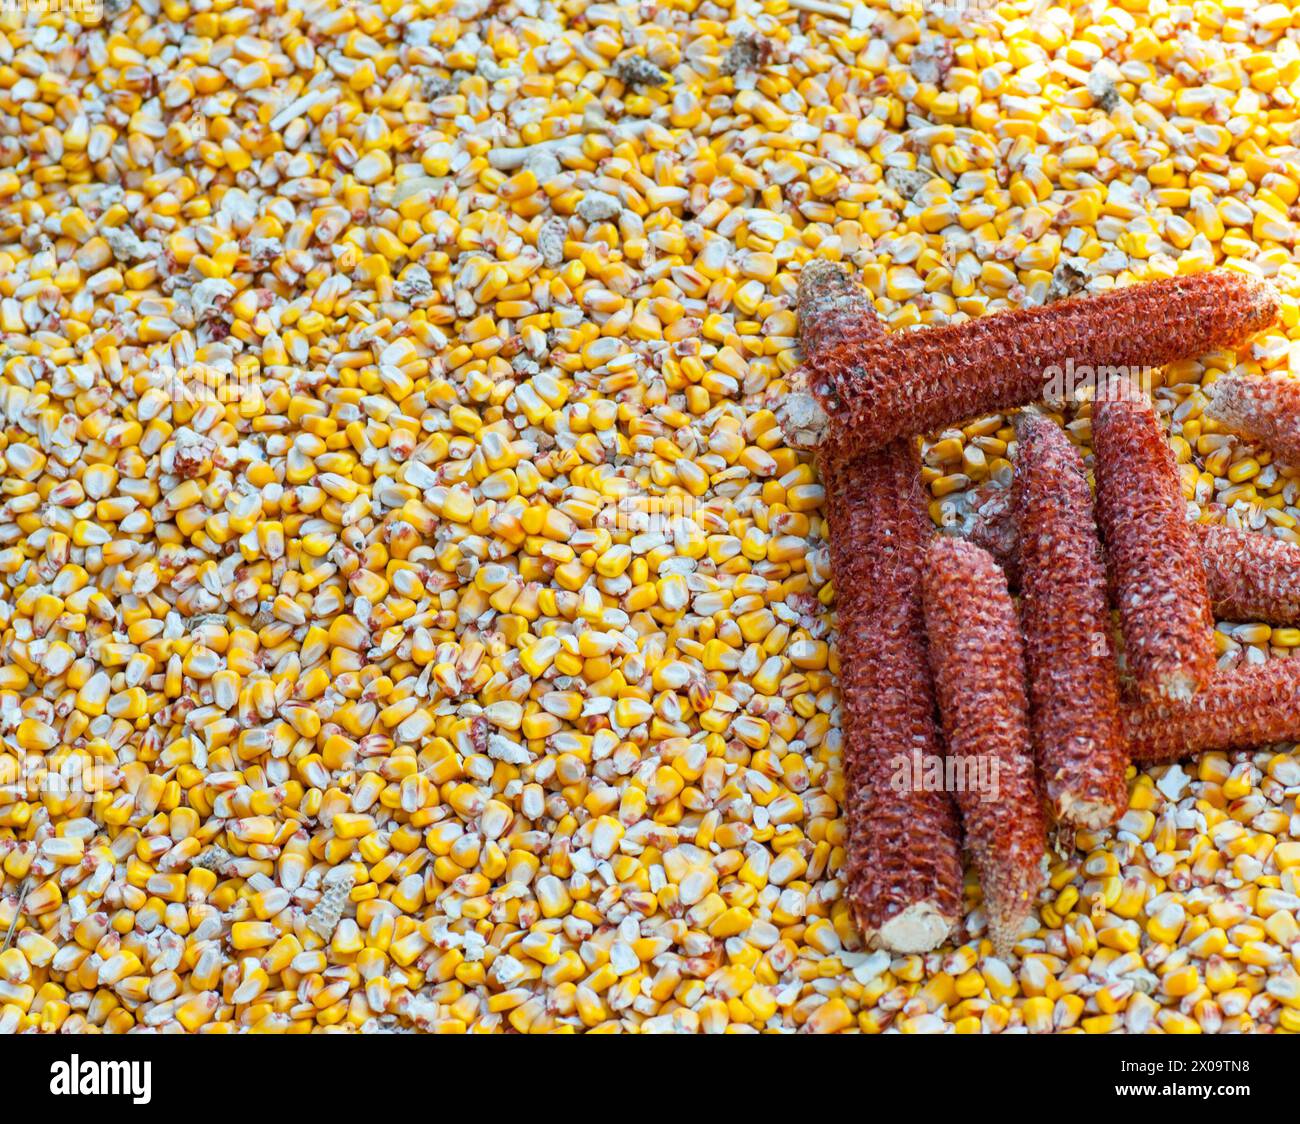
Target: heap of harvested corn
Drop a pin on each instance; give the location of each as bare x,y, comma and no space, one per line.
412,615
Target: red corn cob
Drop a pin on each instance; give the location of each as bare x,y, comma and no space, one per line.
1240,709
904,857
1066,617
1250,575
834,311
1261,407
979,677
904,865
1159,588
866,393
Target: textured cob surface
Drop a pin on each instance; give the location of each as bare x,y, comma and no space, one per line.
1263,408
1157,584
834,310
1239,709
1072,682
1249,575
862,394
979,677
994,527
903,868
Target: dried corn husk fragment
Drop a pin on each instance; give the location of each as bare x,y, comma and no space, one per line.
328,911
215,859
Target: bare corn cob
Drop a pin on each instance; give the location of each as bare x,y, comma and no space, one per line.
1158,585
1072,685
979,678
861,395
904,866
1240,709
1250,575
1261,407
834,310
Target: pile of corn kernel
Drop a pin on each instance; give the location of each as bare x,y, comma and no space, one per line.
412,619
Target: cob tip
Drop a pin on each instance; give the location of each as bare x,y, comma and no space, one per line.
1178,686
1265,304
1252,302
1009,919
1092,815
1024,421
826,296
823,287
920,927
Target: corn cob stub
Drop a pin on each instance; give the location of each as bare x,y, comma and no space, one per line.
1251,576
903,870
862,394
834,311
979,676
1072,682
1158,586
1263,408
1239,709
